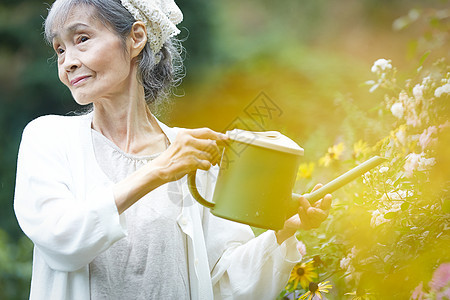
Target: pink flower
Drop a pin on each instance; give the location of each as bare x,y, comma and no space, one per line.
445,295
441,278
418,293
301,248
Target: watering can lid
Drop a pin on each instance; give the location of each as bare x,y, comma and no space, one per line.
267,139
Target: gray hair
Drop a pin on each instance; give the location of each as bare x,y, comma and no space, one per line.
158,72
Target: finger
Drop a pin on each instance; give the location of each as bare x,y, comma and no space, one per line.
200,147
202,155
325,203
293,222
303,218
304,203
202,164
216,153
206,133
316,216
318,186
211,147
206,145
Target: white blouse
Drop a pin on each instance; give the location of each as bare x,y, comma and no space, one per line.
64,203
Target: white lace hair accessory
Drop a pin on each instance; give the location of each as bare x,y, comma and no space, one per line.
160,18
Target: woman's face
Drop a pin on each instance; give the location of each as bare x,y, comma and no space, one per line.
92,61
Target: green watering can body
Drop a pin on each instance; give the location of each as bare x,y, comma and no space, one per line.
255,180
257,173
264,178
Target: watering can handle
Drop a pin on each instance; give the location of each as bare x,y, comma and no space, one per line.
194,191
337,183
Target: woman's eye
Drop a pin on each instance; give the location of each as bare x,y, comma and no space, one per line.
83,39
59,51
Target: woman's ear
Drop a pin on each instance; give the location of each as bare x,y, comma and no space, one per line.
137,38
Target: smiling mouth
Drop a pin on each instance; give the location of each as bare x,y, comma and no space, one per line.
79,80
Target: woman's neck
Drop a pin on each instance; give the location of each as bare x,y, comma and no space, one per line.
128,122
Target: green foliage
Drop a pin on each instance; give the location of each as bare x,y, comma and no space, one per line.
390,231
15,267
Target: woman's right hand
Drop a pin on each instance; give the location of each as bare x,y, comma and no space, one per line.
192,149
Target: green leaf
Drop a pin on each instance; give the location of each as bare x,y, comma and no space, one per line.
390,215
435,22
412,48
446,205
424,57
405,206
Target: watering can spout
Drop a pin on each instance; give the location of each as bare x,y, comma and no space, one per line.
334,185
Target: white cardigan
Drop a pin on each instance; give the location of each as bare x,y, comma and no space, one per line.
65,205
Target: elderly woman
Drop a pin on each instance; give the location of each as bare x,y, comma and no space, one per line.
103,196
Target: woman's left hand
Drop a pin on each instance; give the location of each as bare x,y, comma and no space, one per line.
308,217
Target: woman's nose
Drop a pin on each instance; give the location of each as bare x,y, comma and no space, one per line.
71,61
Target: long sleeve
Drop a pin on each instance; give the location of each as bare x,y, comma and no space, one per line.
242,266
68,226
248,267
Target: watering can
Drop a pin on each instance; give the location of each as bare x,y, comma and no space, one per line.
256,177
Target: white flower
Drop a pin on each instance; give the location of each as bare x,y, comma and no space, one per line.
410,107
345,263
426,163
445,89
413,14
417,162
425,138
401,136
397,110
403,97
418,91
377,218
381,65
413,119
396,206
411,164
351,275
392,202
426,80
395,195
383,169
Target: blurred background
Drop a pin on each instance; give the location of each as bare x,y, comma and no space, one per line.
292,60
